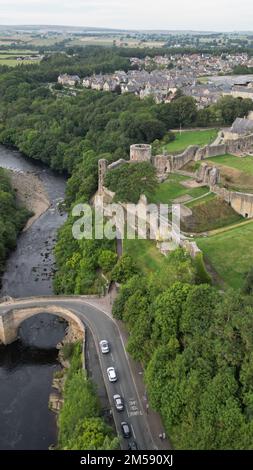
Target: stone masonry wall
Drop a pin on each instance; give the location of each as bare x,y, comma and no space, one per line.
242,203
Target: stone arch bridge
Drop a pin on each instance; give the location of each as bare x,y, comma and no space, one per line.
11,320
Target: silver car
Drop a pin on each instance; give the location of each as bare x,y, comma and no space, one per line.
118,402
104,346
112,376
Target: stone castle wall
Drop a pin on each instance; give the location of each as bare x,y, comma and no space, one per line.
242,203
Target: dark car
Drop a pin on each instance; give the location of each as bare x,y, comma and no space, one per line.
125,429
132,446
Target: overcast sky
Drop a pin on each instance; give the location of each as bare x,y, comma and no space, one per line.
215,15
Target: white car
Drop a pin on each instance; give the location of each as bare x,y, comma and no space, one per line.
112,376
104,346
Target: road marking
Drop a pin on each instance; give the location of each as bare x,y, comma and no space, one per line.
134,409
112,358
133,431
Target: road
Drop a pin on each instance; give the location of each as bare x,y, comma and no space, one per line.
102,326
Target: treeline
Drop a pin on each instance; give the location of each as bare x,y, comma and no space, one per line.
196,346
81,426
12,219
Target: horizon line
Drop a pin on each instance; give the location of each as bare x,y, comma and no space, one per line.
106,28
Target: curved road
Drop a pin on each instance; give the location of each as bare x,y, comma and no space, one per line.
103,326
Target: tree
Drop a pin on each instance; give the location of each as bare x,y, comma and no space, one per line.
129,182
107,260
124,269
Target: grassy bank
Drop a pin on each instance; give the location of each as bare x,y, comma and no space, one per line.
230,253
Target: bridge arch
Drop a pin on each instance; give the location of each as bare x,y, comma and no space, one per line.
11,320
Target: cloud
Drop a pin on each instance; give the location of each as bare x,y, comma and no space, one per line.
131,14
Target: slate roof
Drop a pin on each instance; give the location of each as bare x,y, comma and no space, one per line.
242,126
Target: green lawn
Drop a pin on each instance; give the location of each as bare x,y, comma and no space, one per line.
203,200
186,138
230,253
145,253
172,189
244,164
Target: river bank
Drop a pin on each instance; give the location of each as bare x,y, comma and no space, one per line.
30,193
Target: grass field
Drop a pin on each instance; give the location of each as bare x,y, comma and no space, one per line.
145,253
121,41
172,189
244,164
15,63
230,253
186,138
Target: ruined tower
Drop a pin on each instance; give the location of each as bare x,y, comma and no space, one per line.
140,153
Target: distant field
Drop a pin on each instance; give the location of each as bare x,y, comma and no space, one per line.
145,253
244,164
172,189
230,253
15,63
114,40
186,138
16,52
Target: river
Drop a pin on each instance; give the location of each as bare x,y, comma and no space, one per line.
27,366
30,267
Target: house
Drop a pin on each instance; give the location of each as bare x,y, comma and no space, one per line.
87,82
110,85
68,80
97,82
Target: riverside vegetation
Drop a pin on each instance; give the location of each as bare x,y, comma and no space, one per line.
195,344
81,425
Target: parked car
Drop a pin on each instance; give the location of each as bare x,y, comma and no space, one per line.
125,430
132,445
104,346
118,402
112,376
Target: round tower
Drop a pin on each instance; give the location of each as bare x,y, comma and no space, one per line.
140,153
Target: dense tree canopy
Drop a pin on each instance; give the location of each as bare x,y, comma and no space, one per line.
196,346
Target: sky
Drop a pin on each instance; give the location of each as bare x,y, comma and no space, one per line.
203,15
